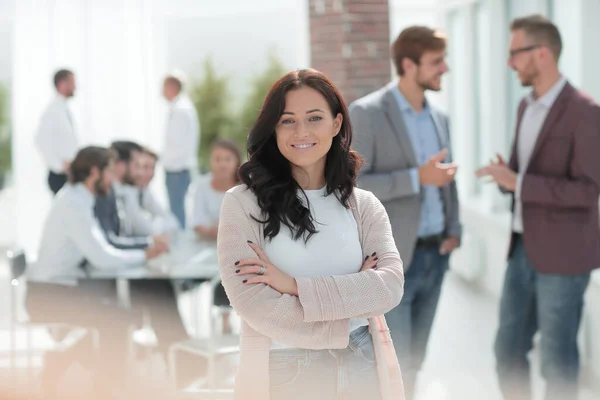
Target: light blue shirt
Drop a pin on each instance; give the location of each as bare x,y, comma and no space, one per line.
425,141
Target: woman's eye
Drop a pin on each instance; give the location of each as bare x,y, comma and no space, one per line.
287,121
315,118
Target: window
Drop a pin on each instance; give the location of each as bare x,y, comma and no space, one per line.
463,88
459,84
481,56
515,91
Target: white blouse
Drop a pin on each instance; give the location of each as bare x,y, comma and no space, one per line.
334,250
207,203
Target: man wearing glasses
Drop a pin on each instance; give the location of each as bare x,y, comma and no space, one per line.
554,177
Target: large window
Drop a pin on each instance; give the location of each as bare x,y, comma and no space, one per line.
481,79
461,95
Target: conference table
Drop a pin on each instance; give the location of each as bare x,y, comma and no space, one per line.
190,257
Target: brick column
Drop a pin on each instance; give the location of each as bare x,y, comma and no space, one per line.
350,43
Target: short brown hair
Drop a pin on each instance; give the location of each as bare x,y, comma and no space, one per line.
150,153
61,75
88,158
413,42
175,79
541,30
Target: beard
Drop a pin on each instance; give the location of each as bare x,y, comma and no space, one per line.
526,80
430,83
128,179
527,75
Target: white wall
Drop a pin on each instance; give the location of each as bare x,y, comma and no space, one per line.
238,35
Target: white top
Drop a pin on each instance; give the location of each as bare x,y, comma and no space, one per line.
71,234
533,119
56,138
207,203
141,213
334,250
182,136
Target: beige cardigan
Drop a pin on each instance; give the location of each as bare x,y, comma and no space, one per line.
319,317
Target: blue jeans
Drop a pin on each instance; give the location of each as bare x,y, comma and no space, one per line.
533,301
410,322
177,187
349,374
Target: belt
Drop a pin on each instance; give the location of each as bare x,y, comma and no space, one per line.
430,241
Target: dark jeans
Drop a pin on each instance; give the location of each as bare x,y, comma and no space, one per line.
410,322
177,187
56,181
91,304
552,304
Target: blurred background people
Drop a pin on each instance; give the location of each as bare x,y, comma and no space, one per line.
56,137
180,144
405,141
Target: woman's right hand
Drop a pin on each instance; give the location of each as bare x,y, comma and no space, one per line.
370,262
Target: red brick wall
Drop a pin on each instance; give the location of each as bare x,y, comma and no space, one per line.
350,43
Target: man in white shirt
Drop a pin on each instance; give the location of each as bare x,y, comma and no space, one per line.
181,144
157,218
58,290
56,138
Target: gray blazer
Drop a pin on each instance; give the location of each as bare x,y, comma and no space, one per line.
381,138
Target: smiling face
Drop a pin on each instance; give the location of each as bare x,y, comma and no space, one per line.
431,69
305,132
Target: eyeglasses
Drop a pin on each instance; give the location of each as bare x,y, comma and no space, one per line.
513,53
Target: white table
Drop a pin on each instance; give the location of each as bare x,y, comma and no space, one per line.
189,258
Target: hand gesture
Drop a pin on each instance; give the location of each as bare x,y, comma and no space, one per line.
500,173
436,173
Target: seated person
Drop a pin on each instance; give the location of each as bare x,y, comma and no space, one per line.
112,209
225,160
58,289
158,218
153,295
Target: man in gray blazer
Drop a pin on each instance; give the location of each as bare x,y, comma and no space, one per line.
405,142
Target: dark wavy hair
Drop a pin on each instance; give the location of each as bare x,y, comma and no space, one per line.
269,174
